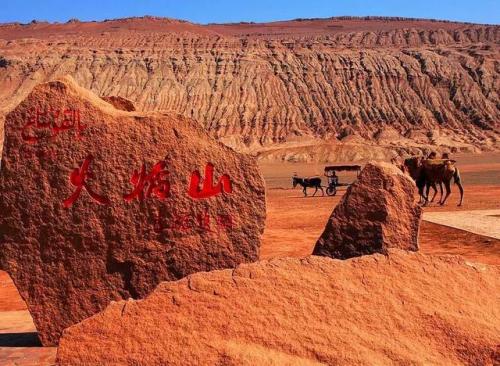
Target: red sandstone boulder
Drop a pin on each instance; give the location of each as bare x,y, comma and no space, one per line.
99,204
377,212
404,309
120,103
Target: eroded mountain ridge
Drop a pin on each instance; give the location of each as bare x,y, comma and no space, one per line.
297,90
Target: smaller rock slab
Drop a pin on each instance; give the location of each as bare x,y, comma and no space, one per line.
378,211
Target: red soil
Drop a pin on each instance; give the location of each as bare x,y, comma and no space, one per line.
294,223
9,299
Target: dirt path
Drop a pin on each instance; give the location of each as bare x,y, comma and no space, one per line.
439,239
481,222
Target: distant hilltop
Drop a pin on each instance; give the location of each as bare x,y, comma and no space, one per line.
297,28
76,20
174,20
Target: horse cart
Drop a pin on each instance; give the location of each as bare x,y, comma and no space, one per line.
333,179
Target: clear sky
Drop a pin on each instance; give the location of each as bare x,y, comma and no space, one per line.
209,11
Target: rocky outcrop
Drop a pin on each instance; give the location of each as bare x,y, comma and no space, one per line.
286,84
120,103
406,308
99,204
378,212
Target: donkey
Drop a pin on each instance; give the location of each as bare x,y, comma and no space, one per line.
308,182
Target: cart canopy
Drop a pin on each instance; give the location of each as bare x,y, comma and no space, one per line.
342,168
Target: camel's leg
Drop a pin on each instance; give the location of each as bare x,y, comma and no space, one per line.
314,194
448,191
423,196
458,182
305,191
461,189
440,191
435,192
428,186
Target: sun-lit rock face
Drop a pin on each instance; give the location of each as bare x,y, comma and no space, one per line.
99,204
120,103
378,212
404,308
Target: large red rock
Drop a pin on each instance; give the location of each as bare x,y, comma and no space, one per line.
377,212
99,204
404,309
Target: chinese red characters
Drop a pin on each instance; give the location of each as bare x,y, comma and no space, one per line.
153,184
208,189
78,178
156,184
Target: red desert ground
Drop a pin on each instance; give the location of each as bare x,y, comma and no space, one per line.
148,217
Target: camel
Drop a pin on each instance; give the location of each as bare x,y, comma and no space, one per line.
414,169
431,172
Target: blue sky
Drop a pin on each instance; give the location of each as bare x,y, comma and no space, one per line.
207,11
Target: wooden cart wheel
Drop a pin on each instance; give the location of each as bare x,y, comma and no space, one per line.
331,191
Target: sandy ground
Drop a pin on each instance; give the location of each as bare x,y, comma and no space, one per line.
19,344
295,222
293,225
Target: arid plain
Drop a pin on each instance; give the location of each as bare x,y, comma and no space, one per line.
295,222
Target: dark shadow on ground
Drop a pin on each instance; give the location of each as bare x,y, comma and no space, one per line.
20,340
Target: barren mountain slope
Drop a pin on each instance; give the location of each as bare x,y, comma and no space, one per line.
281,89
